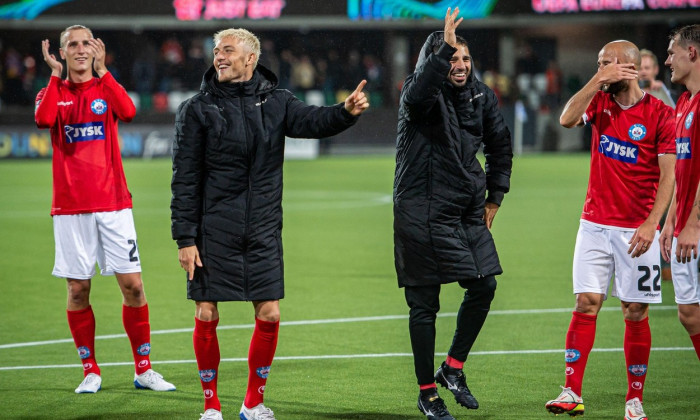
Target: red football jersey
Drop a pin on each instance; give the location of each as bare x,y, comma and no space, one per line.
88,175
625,171
687,163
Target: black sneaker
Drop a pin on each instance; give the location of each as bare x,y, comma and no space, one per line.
433,407
454,380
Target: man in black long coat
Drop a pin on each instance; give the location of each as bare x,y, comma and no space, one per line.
226,202
444,205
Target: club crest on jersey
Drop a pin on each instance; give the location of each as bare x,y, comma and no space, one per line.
84,132
689,120
683,148
638,370
207,375
144,349
263,372
618,149
571,355
83,352
98,107
637,132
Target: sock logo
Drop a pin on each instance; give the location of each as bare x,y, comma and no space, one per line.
569,371
144,349
207,375
83,352
637,385
263,372
87,366
208,394
261,390
143,363
571,355
637,370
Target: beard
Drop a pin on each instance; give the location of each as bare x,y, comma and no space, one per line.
616,87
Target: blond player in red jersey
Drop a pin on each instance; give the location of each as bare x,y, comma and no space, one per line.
91,206
682,230
630,185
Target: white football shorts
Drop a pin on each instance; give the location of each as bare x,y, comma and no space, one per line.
105,238
601,258
685,279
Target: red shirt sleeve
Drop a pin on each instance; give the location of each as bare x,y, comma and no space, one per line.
120,101
46,104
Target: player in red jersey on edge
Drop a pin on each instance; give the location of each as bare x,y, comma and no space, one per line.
91,206
682,232
629,188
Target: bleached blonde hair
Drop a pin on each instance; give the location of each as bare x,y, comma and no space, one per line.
64,35
243,36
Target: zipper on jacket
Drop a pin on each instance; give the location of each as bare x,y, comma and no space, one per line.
471,248
247,205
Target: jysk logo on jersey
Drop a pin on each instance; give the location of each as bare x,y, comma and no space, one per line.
98,106
689,120
637,132
683,148
638,370
618,149
572,355
144,349
85,132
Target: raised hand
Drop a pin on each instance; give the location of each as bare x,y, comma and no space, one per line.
616,71
356,103
50,59
97,48
451,26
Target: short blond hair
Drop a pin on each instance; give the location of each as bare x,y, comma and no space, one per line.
647,53
64,35
243,36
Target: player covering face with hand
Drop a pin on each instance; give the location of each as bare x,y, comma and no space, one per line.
632,152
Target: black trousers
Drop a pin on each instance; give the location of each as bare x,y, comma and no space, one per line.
424,304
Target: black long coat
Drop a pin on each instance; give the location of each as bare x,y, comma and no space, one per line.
227,181
439,186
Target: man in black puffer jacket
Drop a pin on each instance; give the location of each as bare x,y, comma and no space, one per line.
442,214
226,203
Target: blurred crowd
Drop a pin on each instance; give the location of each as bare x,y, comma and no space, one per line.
153,69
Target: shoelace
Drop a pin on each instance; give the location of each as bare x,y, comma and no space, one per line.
440,407
152,377
90,379
636,408
265,413
208,416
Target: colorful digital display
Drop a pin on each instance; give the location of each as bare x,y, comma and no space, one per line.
416,9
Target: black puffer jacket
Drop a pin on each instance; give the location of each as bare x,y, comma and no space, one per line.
439,186
227,181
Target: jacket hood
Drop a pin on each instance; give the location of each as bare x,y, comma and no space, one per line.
431,46
263,81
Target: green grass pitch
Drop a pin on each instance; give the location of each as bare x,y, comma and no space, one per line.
344,351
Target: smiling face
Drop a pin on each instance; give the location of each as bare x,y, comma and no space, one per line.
76,51
678,60
461,66
234,62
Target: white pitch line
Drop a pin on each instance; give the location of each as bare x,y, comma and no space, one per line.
318,322
337,356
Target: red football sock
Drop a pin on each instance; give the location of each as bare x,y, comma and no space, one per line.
138,329
260,355
428,386
454,363
206,351
696,343
579,342
637,347
82,328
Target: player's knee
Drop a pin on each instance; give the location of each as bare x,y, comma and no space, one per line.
482,292
636,311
